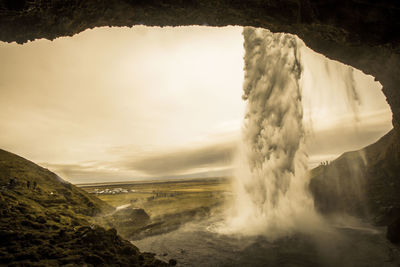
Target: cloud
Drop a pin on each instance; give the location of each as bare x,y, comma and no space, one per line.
203,160
343,134
88,172
184,160
148,90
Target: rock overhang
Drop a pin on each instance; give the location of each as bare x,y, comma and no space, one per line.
362,34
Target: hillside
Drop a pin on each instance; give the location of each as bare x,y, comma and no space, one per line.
48,221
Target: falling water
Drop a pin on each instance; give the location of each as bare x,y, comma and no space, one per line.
271,188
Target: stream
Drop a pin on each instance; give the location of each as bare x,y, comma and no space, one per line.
197,244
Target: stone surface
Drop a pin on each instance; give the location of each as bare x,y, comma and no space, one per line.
393,232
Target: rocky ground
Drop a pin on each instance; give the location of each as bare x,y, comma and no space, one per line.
135,224
151,208
46,221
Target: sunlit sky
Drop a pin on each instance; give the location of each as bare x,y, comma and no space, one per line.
113,104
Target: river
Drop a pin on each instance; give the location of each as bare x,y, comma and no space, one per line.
197,244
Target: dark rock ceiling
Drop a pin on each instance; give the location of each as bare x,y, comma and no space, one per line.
361,33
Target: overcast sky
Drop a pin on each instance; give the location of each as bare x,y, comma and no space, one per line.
114,104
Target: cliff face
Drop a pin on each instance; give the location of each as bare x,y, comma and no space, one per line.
363,183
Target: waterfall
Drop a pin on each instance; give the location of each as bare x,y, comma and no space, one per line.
271,186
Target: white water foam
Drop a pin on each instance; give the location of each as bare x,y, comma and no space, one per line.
271,184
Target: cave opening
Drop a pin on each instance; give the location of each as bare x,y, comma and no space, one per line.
81,73
344,109
362,34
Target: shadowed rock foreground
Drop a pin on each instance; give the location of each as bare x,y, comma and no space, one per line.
47,221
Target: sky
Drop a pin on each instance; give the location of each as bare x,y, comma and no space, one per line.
116,104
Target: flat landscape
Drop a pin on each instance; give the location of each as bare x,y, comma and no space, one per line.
148,208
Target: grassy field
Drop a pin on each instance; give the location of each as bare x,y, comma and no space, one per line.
168,197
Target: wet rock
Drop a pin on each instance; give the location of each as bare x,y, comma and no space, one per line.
22,256
134,214
41,220
15,5
128,250
94,259
141,258
172,262
30,224
393,231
